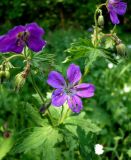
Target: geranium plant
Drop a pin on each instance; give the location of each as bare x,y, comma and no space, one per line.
61,123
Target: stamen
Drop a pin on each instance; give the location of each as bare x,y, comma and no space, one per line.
70,90
22,38
19,35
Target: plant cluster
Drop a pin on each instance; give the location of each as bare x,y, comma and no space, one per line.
61,129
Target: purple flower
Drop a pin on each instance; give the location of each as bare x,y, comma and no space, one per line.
20,36
72,92
116,7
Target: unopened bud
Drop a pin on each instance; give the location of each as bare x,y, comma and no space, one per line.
121,49
42,109
7,74
19,81
101,20
2,74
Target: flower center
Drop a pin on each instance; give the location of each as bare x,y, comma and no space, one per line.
69,90
22,38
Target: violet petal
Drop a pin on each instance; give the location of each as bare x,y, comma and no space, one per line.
75,103
85,90
120,8
9,44
56,80
58,97
113,1
73,73
16,30
35,43
114,18
34,29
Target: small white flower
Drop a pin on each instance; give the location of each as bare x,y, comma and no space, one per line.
110,65
127,88
99,149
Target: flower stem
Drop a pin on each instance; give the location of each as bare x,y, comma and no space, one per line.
96,24
86,70
113,29
64,116
36,88
14,56
40,94
61,114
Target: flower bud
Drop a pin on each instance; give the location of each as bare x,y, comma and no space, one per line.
100,20
7,74
19,81
42,109
121,49
2,74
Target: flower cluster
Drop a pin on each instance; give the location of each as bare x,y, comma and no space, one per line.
20,36
31,35
72,92
116,7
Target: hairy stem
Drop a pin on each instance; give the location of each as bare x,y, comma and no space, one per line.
40,94
86,70
14,56
96,24
64,116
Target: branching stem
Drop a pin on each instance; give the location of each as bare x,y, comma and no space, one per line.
96,24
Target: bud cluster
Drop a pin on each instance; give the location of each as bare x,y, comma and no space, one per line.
100,19
121,49
5,70
106,40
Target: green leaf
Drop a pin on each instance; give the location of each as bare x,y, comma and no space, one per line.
38,136
72,129
86,142
80,49
71,152
84,49
5,146
35,116
50,152
109,55
92,55
57,112
87,125
38,59
109,43
129,152
38,63
37,98
31,139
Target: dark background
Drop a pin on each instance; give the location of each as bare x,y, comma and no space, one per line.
52,14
